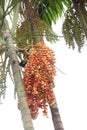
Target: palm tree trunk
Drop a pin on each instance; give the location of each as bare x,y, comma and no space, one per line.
26,117
58,125
32,20
54,109
80,15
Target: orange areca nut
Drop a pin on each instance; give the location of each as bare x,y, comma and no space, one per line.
38,78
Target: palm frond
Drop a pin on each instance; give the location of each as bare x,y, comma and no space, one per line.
72,30
50,10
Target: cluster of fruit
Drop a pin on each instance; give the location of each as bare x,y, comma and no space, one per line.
38,78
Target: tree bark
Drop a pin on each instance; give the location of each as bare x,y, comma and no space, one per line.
26,117
81,18
57,122
32,19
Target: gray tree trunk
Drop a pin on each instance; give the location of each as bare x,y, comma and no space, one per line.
26,117
57,122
